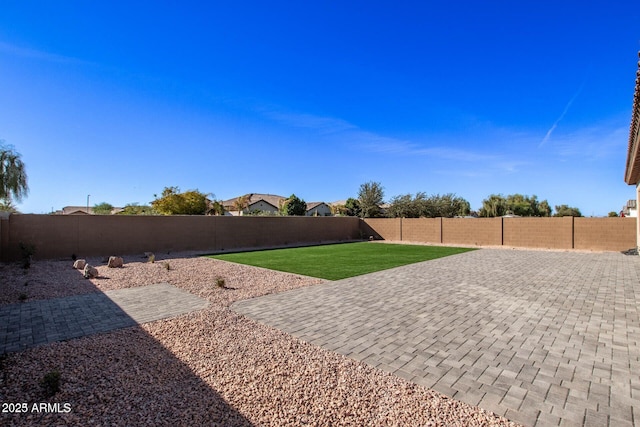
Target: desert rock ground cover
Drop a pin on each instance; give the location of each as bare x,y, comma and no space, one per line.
211,367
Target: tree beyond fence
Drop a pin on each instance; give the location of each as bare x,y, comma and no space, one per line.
61,236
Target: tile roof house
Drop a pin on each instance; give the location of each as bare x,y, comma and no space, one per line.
630,209
82,210
254,202
76,210
318,209
632,170
269,203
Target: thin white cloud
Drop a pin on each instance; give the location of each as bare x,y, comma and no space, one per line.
511,166
456,154
594,142
498,166
23,52
465,173
389,145
380,144
548,134
324,125
364,140
564,113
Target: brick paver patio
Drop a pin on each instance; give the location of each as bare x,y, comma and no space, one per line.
36,323
543,338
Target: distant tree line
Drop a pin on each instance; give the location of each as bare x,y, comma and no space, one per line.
171,202
193,202
517,204
371,194
514,204
421,205
368,204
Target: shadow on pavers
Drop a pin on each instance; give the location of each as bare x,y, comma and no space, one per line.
100,360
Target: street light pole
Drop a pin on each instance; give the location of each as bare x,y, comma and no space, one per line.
88,195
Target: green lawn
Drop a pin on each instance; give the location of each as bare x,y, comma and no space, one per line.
334,262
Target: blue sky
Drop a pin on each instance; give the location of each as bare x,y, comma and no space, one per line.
119,100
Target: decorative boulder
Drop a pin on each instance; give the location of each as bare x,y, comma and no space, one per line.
115,262
90,271
79,264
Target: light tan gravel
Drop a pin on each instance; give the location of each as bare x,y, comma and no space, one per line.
211,367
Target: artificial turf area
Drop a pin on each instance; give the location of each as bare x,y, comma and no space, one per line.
334,262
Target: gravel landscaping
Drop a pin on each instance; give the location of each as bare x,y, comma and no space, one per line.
211,367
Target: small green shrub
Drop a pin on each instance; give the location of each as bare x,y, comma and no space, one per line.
50,383
220,282
27,252
166,265
152,258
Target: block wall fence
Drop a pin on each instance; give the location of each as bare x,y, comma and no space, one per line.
599,234
60,236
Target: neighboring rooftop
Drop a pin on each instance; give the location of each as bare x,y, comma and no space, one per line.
75,210
311,205
272,199
632,171
82,210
